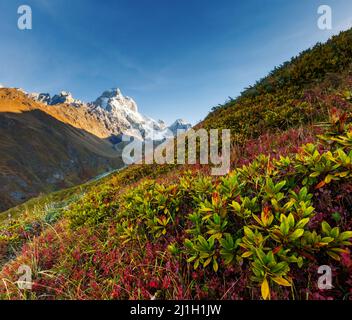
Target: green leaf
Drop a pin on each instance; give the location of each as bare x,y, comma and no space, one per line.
327,239
279,186
325,227
236,206
328,178
191,259
256,218
215,265
207,262
188,244
301,224
216,218
202,241
297,234
334,255
314,174
300,262
291,220
280,268
336,216
207,217
247,254
248,232
346,235
284,227
211,242
303,192
335,232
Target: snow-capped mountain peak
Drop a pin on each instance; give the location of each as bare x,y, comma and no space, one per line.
114,99
119,114
180,124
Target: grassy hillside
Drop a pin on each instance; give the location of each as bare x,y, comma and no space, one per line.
298,92
175,232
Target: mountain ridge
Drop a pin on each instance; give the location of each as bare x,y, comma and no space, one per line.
118,113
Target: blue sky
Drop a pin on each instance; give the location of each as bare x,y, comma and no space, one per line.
177,58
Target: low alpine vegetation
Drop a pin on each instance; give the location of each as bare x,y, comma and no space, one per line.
262,231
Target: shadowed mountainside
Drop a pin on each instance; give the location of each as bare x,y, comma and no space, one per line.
41,154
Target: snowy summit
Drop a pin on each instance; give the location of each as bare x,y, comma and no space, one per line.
119,114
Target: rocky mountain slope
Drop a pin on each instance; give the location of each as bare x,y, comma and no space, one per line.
40,152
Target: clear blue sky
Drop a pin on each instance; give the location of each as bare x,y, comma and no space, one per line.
177,58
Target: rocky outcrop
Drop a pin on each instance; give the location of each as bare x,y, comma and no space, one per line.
41,97
65,98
